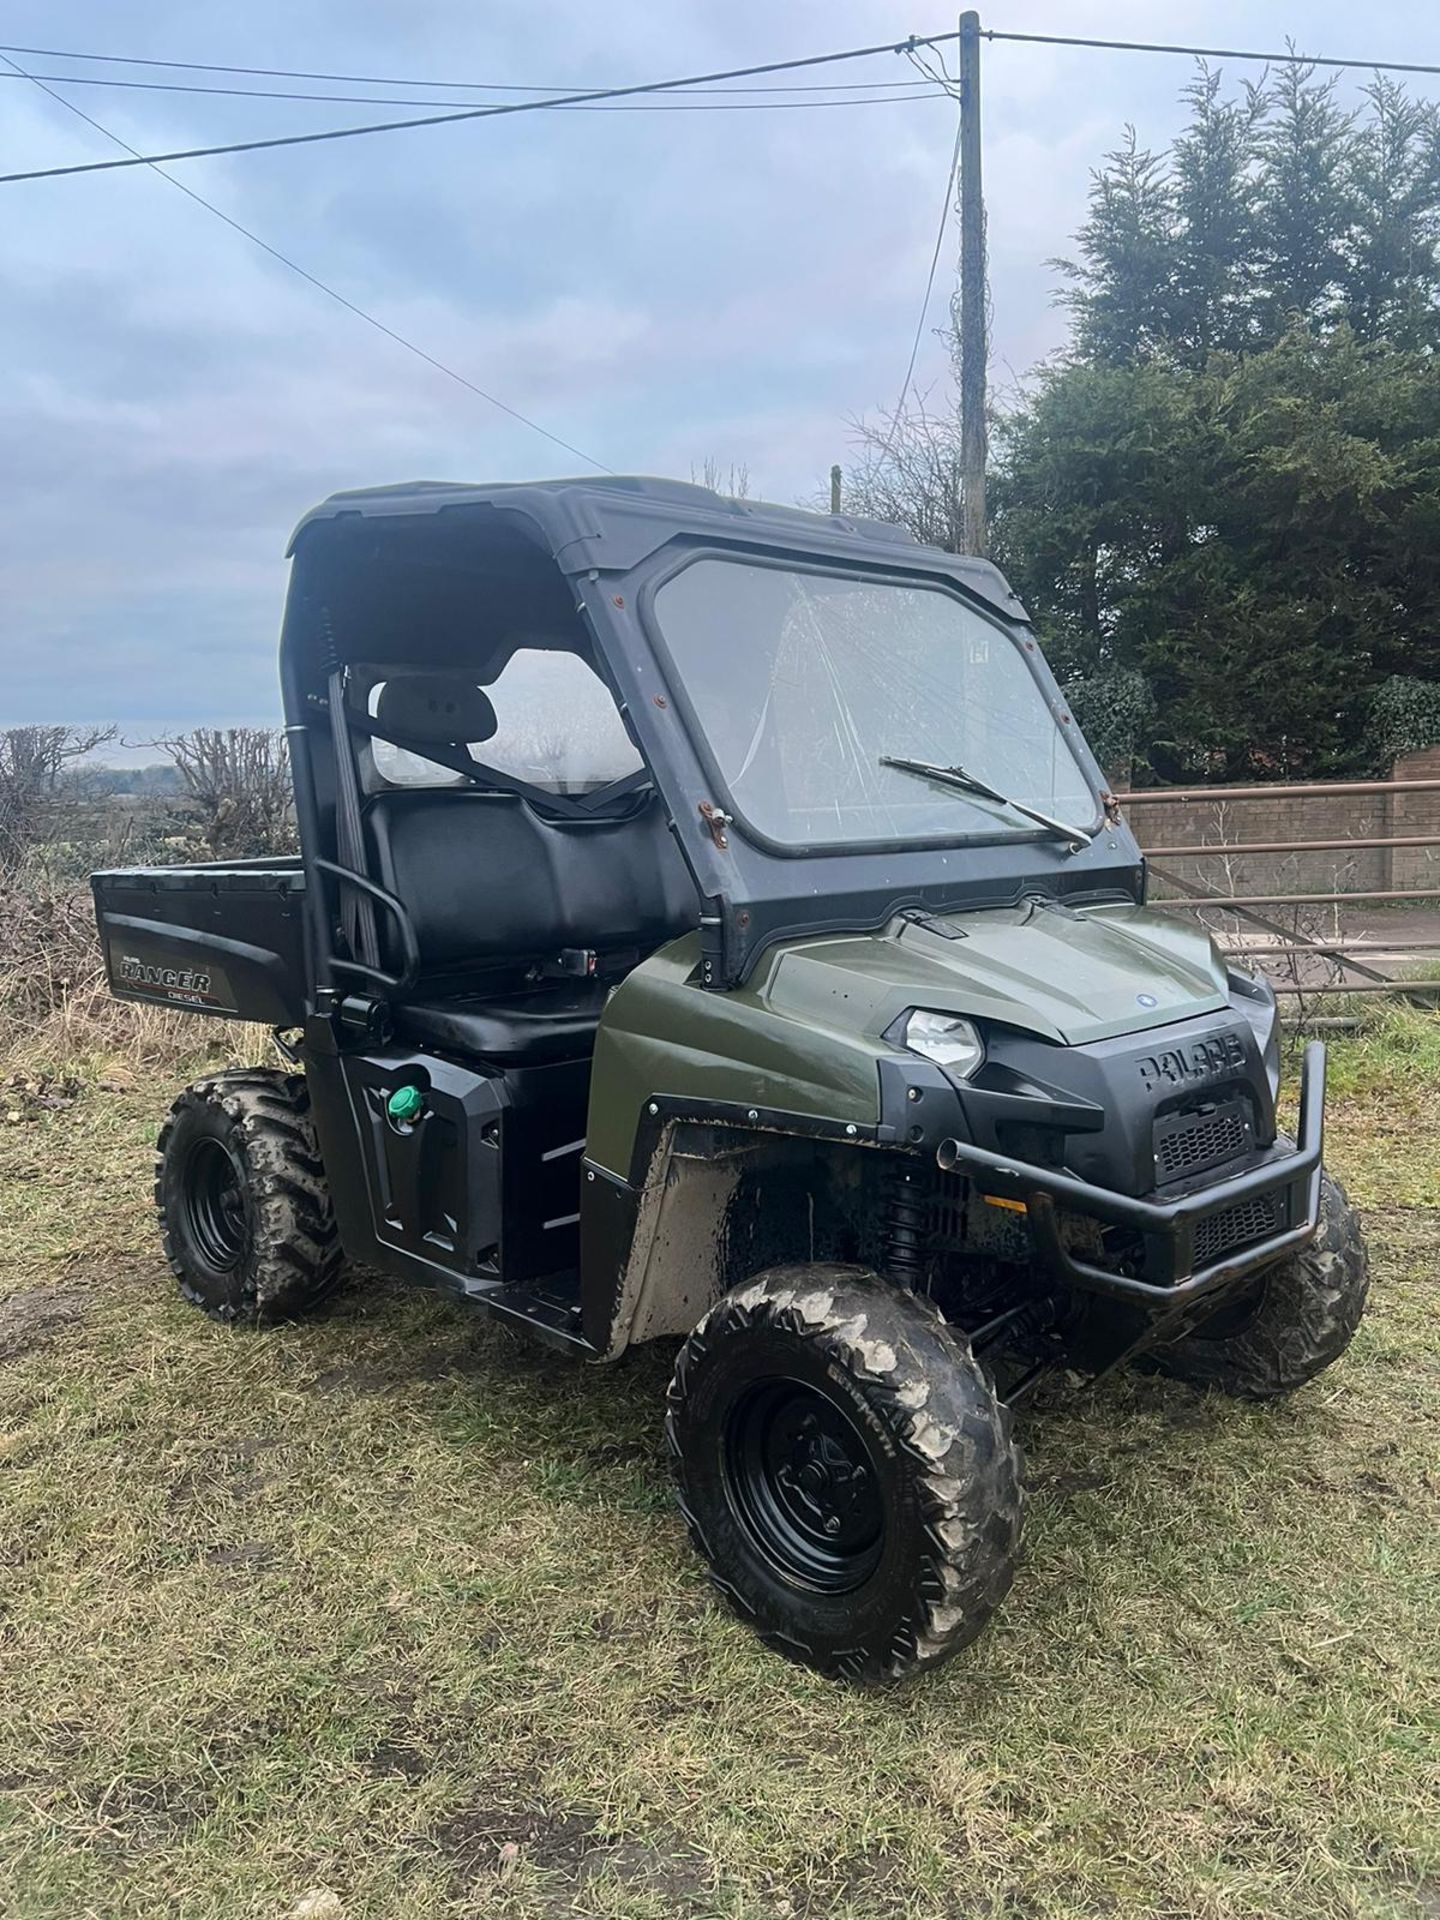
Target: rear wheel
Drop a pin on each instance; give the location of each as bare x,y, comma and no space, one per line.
244,1209
1297,1320
846,1471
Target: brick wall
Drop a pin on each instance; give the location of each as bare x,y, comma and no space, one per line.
1214,818
1416,813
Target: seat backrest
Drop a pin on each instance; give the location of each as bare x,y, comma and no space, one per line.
487,880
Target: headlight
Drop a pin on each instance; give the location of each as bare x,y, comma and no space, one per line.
945,1038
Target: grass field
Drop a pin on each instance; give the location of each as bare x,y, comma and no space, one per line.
387,1614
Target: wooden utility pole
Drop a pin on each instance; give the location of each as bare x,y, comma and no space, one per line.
834,489
972,295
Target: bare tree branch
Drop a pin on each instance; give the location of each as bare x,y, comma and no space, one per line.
238,781
32,760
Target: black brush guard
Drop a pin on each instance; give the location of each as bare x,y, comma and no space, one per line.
1168,1228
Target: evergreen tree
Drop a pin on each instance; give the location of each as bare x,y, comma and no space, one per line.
1122,298
1259,540
1304,207
1215,243
1392,277
1222,505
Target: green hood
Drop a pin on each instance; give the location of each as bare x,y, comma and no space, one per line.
803,1034
1070,977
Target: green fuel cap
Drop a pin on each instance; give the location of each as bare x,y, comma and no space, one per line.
405,1103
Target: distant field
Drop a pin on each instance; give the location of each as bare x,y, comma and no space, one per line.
391,1606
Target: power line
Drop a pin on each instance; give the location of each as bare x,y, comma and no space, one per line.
478,113
494,86
696,102
390,80
314,280
1287,58
692,81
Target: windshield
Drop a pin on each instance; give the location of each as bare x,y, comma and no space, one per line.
803,681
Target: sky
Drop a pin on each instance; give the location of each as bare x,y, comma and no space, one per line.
657,289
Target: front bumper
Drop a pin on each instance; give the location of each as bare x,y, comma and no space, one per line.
1168,1229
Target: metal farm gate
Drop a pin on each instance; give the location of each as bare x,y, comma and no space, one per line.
1305,936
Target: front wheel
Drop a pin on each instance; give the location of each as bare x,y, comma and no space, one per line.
846,1470
1297,1320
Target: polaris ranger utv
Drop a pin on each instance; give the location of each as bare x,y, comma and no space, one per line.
710,925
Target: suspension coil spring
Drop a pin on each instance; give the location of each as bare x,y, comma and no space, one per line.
904,1227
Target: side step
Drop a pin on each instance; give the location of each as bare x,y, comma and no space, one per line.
549,1316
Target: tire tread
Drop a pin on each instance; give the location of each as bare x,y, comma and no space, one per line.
943,1411
296,1258
1310,1308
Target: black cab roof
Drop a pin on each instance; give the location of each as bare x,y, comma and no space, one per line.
612,521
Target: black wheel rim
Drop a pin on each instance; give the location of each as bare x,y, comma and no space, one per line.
804,1485
215,1201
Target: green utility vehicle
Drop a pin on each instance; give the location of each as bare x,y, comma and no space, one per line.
710,926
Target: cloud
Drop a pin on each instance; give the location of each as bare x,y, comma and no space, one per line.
655,288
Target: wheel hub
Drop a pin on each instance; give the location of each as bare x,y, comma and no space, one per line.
825,1486
215,1201
803,1484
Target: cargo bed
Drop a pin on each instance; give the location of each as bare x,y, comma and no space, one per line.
224,937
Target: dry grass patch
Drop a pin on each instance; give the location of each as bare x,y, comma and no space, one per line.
391,1605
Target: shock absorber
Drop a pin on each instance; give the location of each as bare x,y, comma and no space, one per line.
904,1225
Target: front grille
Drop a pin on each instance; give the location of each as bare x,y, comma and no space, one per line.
945,1220
1203,1137
1237,1226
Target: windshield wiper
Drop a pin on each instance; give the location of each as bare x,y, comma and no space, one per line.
969,783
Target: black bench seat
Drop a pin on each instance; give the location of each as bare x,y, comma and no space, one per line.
555,1021
493,891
